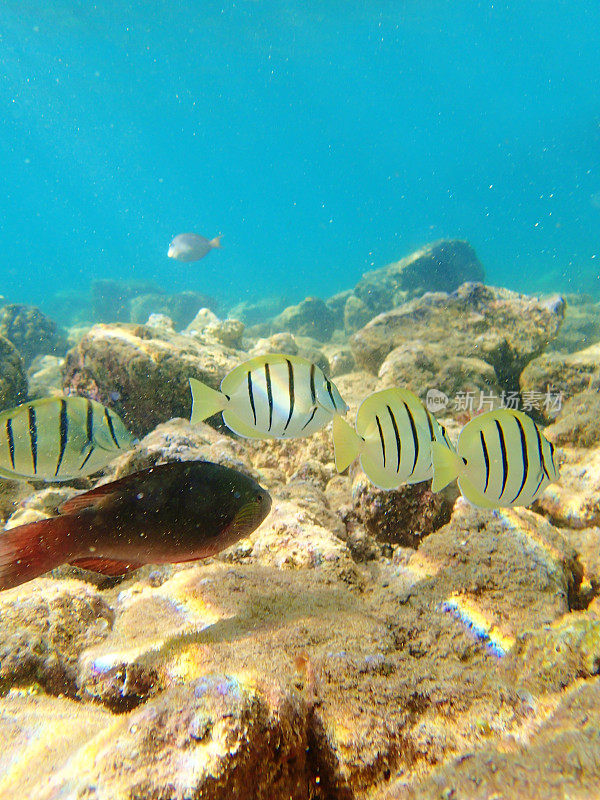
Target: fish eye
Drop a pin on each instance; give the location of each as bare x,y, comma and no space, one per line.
259,498
237,495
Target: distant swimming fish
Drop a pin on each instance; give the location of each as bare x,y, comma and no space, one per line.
392,435
272,396
192,246
59,438
502,459
180,511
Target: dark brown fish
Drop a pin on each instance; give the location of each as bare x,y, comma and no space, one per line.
180,511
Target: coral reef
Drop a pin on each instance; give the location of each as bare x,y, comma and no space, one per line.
361,643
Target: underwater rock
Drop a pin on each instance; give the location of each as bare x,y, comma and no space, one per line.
553,378
336,304
403,515
341,677
13,380
311,318
577,422
469,383
341,360
111,298
574,501
45,376
143,373
254,312
438,267
44,629
293,346
227,332
558,758
31,332
356,314
181,307
581,326
203,318
501,327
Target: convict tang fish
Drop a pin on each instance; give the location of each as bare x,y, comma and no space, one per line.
392,436
192,246
502,459
273,396
59,438
180,511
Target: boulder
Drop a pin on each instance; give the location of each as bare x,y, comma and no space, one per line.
13,379
500,327
439,267
311,318
31,332
143,373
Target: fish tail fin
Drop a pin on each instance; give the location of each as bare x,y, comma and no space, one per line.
347,444
205,401
216,242
447,465
30,550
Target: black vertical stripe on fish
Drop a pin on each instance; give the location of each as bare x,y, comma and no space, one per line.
291,392
313,391
382,439
86,459
310,419
251,395
504,461
33,437
89,421
539,483
541,453
413,428
11,441
430,424
328,384
269,394
397,435
109,422
486,459
64,432
525,458
552,456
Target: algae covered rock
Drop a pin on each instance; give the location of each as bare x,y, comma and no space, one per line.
439,267
13,379
144,372
311,318
498,326
31,332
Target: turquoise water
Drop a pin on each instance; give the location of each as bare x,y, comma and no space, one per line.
320,139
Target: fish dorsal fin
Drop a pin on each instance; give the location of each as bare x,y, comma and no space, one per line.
106,566
100,496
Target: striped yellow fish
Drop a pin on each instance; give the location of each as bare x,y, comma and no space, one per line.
502,459
392,435
59,438
273,396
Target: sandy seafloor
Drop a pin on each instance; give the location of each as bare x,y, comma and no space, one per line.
359,644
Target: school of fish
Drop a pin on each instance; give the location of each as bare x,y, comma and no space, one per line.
189,510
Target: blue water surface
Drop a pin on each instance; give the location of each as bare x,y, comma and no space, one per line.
321,139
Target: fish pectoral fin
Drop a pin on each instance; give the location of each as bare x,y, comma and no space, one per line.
106,566
447,465
347,444
206,401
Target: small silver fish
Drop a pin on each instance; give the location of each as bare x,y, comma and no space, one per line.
502,459
192,246
392,436
274,396
59,438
